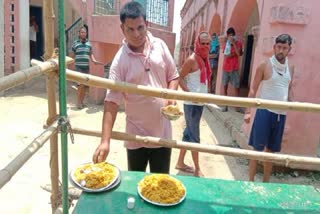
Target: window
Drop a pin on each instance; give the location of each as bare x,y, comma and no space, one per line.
12,7
13,60
12,18
12,39
12,28
12,49
157,12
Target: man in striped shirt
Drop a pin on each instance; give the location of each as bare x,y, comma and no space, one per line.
82,52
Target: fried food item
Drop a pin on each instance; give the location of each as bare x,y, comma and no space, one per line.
162,188
95,176
172,109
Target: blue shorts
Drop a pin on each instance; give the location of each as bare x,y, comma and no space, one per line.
192,114
267,130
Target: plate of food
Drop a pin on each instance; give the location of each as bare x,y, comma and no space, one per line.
171,112
162,190
98,177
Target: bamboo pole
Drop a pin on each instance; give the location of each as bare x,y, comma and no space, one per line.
7,172
281,159
99,82
49,17
25,75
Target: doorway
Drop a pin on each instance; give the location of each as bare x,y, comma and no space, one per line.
247,62
37,13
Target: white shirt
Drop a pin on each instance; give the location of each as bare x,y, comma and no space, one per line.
277,87
32,34
194,85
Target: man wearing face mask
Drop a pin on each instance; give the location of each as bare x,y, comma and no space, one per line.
195,76
232,52
275,78
144,60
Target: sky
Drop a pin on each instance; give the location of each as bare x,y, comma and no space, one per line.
178,4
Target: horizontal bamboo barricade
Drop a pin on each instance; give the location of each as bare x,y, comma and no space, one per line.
281,159
50,67
99,82
25,75
7,172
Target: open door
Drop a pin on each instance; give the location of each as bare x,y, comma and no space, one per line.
37,13
247,62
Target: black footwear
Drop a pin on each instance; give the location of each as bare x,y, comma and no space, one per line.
240,110
224,109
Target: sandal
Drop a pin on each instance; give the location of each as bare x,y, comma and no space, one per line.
185,168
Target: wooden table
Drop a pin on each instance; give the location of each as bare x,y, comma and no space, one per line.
206,196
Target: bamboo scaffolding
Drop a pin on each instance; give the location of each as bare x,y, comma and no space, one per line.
49,17
281,159
25,75
7,172
99,82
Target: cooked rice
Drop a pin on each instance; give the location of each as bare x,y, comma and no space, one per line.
162,188
95,175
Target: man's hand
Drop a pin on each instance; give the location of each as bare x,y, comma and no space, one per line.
247,117
101,153
170,102
98,63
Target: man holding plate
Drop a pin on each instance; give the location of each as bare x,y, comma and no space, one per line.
144,60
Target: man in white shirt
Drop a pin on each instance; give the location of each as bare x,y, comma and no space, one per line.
274,77
33,29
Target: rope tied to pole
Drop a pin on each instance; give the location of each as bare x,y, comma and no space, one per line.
64,121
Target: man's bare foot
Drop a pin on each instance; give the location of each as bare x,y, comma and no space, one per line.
184,168
198,173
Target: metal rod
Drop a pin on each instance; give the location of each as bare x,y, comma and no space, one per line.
62,107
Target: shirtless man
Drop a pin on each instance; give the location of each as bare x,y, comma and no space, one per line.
275,77
195,76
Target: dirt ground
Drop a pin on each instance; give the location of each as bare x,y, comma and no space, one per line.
23,111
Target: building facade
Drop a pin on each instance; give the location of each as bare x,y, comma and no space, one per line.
100,16
257,23
16,31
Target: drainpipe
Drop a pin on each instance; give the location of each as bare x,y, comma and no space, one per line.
62,107
1,41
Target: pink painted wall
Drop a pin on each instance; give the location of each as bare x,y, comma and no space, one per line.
302,135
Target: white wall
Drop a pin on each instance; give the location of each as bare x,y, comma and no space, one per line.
24,36
1,40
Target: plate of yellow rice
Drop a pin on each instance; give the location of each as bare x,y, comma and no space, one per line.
161,190
95,177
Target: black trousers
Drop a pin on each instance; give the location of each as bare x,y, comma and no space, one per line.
158,158
33,49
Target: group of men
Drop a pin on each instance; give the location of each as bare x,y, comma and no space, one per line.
146,60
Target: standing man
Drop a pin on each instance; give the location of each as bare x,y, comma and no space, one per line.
33,30
82,52
275,79
144,60
195,77
232,52
214,60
